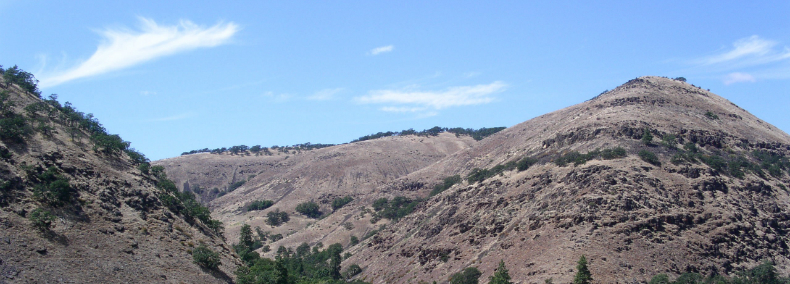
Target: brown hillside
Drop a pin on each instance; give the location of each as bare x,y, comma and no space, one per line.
354,170
110,227
630,218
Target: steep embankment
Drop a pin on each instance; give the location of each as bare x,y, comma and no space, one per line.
76,209
714,199
321,175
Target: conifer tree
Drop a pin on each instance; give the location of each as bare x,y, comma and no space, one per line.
583,275
501,275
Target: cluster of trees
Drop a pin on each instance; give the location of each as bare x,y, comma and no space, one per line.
276,218
51,187
309,209
259,150
477,134
393,209
184,203
764,273
259,205
478,174
304,265
24,80
579,159
446,183
339,202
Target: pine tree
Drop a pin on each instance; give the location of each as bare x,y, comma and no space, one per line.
245,236
583,275
501,275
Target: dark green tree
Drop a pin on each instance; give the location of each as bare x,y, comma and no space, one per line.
309,209
470,275
501,275
647,137
583,275
205,257
245,236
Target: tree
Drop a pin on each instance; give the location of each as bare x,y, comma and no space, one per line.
660,279
309,209
583,275
245,236
682,79
470,275
205,257
42,219
647,137
501,275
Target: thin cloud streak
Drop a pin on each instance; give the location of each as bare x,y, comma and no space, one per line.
750,59
382,49
738,77
452,97
122,48
325,94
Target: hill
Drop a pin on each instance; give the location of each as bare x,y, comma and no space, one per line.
655,176
78,205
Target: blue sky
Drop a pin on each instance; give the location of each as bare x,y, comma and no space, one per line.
184,75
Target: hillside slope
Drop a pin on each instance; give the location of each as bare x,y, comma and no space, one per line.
321,175
108,222
713,200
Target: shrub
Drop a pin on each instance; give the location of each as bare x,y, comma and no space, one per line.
276,218
583,275
354,240
682,79
42,219
470,275
647,137
235,185
711,115
613,153
52,188
395,209
259,205
501,276
447,183
660,279
13,128
352,271
337,203
525,163
649,157
205,257
309,209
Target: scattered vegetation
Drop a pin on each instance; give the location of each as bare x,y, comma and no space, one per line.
649,157
447,183
579,159
735,164
712,116
477,134
235,185
259,205
205,257
276,218
309,209
470,275
339,202
184,202
52,188
478,175
647,137
764,273
42,219
394,209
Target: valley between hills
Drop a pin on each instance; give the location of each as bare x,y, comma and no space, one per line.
655,178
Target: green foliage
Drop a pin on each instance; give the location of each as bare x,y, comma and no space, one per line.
354,240
337,203
772,162
184,202
259,205
309,209
396,208
660,279
579,159
647,137
669,141
23,79
447,183
525,163
352,271
205,257
583,275
477,134
470,275
765,273
649,157
235,185
13,127
144,168
682,79
276,218
42,219
501,275
52,187
711,115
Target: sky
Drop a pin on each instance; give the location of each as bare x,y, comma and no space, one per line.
174,76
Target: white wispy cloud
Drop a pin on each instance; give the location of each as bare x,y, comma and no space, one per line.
123,48
414,100
325,94
381,49
738,77
748,60
277,97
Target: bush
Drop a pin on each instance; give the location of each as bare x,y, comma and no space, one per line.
235,185
583,275
276,218
205,257
354,240
711,115
447,183
470,275
42,219
647,137
649,157
352,271
395,209
52,188
337,203
260,205
309,209
613,153
525,163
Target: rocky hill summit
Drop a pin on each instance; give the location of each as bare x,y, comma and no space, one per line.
655,176
77,205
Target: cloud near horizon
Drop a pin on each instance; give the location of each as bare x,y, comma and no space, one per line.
381,49
762,57
123,48
418,101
